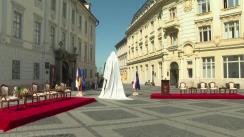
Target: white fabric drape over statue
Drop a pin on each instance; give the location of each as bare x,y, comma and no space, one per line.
112,85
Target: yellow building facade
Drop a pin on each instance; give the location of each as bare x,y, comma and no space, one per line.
121,51
188,41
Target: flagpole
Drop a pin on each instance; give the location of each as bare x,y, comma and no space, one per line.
78,83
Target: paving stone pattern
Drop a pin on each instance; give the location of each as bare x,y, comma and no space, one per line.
141,117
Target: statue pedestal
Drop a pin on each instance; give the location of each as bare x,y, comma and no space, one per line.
165,87
79,94
135,93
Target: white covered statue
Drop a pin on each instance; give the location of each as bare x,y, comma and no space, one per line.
112,85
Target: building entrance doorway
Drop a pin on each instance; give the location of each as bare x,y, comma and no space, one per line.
174,73
65,72
52,75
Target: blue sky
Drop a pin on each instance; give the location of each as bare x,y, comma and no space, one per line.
114,17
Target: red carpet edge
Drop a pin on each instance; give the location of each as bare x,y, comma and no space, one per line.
13,118
196,96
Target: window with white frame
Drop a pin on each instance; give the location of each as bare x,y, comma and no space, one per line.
73,42
37,33
85,53
205,33
160,70
17,25
141,51
190,72
15,69
79,47
230,3
80,22
64,39
136,51
91,30
36,74
203,6
64,10
86,25
152,44
232,30
233,66
208,67
160,43
145,28
173,38
172,12
73,17
53,35
152,24
141,34
146,45
91,53
38,3
53,5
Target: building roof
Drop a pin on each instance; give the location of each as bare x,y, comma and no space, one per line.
121,43
141,10
84,3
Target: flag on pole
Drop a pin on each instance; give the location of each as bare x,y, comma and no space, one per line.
78,83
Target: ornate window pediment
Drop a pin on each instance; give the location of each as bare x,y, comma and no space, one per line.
231,16
18,7
38,3
204,22
187,5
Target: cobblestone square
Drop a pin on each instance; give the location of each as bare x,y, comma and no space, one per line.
141,117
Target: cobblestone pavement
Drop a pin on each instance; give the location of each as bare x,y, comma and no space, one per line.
142,117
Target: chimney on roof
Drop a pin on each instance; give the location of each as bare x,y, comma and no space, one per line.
88,5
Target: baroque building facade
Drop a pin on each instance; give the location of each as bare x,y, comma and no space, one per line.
121,51
46,40
188,41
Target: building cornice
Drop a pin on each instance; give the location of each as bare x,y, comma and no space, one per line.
121,43
144,16
122,55
219,48
157,56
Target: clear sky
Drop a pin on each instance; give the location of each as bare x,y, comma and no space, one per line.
114,17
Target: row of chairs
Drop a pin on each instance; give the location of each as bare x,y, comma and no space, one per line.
204,87
8,96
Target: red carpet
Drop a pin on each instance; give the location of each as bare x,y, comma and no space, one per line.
196,96
14,117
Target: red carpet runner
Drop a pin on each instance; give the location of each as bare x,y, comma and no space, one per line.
196,96
13,117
